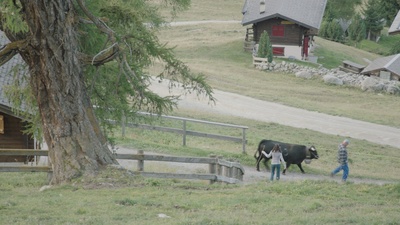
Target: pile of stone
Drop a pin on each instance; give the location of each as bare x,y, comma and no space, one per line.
335,77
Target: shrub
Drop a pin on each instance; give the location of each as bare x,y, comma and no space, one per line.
265,47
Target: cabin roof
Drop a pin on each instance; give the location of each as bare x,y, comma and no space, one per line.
307,13
7,73
395,26
389,63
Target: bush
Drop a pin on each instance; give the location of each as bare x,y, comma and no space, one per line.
265,47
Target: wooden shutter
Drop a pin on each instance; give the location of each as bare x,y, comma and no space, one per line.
278,31
278,51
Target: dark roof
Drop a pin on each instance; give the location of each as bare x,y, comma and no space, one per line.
7,72
307,13
389,63
395,27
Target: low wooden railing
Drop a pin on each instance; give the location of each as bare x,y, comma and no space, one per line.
184,132
219,170
30,167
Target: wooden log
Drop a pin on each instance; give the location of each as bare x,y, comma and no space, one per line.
212,167
140,164
35,152
4,168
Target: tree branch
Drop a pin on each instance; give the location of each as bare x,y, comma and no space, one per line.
107,54
10,50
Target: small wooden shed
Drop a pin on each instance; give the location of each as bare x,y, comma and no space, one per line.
291,24
387,68
11,125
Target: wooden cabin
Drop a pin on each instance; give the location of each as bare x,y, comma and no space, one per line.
11,125
291,24
387,68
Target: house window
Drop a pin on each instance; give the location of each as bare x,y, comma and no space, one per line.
278,31
278,51
1,124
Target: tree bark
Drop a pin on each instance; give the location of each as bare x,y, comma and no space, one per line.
71,130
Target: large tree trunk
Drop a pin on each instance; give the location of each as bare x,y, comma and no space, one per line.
76,143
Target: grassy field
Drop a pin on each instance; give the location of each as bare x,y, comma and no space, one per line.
143,201
216,51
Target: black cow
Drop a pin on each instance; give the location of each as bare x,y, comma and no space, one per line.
292,154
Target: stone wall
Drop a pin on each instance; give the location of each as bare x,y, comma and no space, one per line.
335,77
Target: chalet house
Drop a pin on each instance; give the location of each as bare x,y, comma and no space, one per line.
387,68
291,24
11,125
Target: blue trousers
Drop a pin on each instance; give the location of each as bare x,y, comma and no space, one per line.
345,169
276,167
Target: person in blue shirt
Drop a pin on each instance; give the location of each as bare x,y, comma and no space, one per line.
277,158
342,160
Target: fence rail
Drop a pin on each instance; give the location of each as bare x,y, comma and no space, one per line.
220,170
184,132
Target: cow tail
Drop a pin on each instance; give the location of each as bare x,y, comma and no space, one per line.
255,153
258,151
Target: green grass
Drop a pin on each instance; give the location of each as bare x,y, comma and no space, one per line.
301,202
383,47
216,51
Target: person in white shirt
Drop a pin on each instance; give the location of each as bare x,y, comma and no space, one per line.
277,158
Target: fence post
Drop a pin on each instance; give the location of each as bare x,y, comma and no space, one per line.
219,167
140,164
244,140
123,124
184,133
228,170
212,167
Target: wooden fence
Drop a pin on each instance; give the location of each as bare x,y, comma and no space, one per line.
184,132
29,167
219,170
257,61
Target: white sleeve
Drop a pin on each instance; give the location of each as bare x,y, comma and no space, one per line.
266,155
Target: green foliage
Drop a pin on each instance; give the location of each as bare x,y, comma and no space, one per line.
265,47
10,17
387,44
22,102
332,30
373,17
389,9
340,9
123,86
119,87
395,49
357,29
323,30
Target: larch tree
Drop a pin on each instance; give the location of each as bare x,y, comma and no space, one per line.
80,54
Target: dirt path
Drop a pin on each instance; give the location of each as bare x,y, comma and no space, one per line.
250,108
251,174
